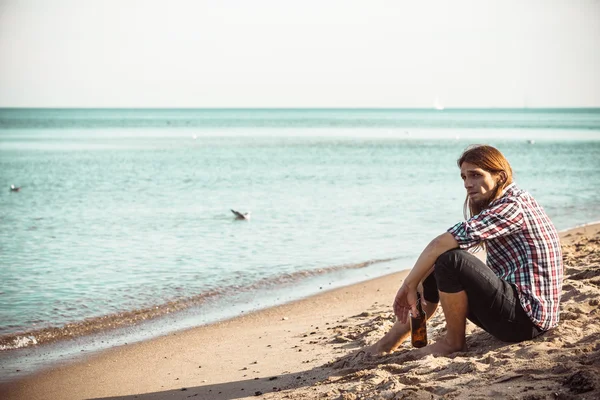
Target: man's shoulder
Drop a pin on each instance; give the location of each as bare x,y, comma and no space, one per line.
514,193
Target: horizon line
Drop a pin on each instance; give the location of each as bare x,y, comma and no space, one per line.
304,108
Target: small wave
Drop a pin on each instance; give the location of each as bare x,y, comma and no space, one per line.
295,276
129,318
18,342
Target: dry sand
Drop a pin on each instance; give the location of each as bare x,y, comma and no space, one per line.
304,350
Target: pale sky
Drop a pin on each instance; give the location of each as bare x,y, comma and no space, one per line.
304,53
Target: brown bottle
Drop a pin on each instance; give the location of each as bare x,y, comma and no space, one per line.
418,326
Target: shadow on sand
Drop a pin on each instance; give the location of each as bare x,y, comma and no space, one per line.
304,379
241,388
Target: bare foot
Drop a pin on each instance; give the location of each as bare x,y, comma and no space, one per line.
439,348
376,350
352,360
390,341
362,356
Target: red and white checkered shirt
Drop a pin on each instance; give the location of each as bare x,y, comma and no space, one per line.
523,249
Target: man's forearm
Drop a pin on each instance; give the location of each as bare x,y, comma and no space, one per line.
434,249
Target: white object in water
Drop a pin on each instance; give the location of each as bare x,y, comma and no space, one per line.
531,141
239,215
437,104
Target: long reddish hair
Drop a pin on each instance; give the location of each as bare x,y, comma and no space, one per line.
493,161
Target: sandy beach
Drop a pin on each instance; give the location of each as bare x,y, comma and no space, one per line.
306,349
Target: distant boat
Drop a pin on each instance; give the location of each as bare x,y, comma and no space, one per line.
531,141
437,104
239,215
14,188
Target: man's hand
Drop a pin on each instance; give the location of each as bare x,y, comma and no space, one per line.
406,300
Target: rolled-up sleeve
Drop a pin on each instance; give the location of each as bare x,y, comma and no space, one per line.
499,220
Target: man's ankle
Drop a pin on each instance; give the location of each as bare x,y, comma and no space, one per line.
456,344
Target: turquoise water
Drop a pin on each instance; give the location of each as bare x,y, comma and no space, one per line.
125,210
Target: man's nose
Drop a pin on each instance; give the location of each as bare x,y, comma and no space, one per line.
468,183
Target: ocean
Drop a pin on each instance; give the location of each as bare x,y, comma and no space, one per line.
123,222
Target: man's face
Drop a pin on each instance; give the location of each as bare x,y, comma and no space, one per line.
478,182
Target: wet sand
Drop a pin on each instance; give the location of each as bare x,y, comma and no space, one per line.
303,350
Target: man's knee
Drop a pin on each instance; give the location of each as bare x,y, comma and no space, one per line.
430,289
451,256
447,270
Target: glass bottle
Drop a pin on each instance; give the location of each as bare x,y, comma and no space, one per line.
418,326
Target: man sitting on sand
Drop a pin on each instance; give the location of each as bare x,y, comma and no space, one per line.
514,297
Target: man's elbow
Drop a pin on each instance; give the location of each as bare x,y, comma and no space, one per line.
444,242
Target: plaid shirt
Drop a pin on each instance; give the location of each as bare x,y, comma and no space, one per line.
523,249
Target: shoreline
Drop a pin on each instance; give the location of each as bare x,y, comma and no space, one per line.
155,312
279,321
19,363
234,354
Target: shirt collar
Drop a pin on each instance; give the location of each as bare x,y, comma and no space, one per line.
506,189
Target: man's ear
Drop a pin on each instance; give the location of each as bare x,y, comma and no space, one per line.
503,177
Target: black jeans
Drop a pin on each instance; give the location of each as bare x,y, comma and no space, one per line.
493,303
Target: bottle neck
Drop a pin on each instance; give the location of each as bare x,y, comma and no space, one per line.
419,305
